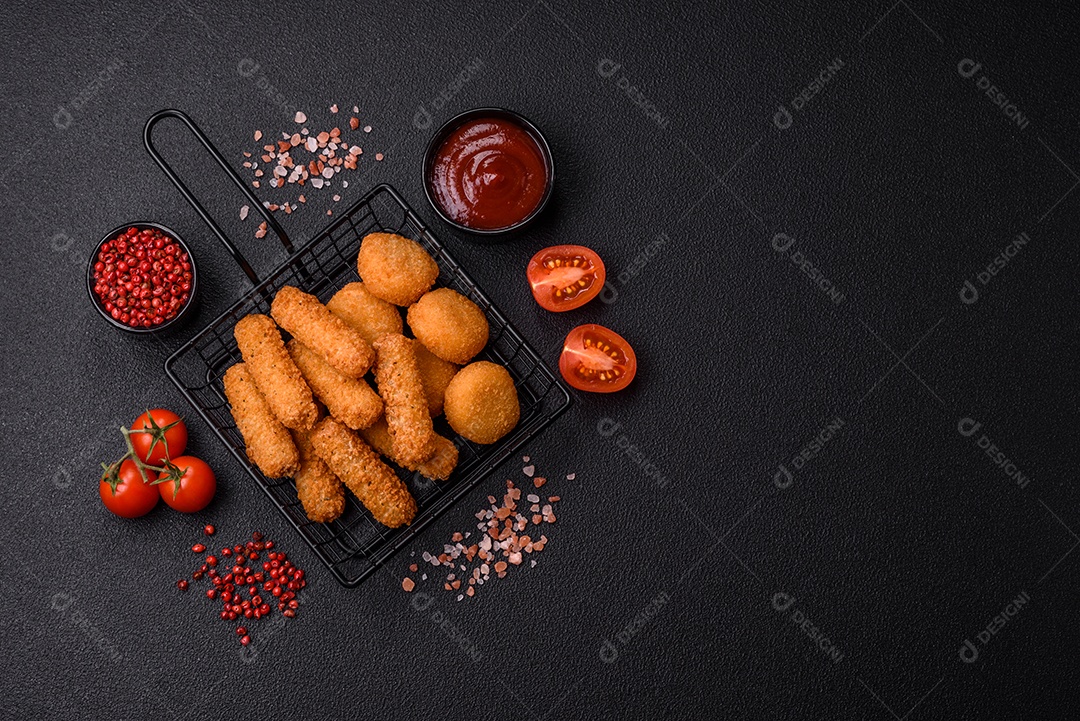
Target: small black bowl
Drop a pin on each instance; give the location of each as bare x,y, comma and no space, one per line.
101,306
477,113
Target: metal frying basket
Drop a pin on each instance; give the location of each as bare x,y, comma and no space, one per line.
354,545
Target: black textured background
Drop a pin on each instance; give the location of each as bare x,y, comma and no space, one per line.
899,181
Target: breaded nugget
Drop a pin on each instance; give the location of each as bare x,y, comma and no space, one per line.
275,374
449,324
394,268
369,315
437,468
402,391
312,324
266,440
435,373
319,490
364,473
482,402
350,400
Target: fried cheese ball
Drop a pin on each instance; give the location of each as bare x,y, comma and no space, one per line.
371,316
351,400
319,490
437,468
309,321
450,325
274,372
402,391
266,440
482,402
364,473
435,373
394,268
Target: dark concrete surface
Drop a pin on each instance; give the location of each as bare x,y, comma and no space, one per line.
783,517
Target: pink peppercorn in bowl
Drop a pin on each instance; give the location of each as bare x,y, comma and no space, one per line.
141,278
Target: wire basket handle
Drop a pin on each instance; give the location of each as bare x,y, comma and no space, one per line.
216,155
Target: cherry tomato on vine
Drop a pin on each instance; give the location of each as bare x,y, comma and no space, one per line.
131,497
158,435
597,359
191,488
564,277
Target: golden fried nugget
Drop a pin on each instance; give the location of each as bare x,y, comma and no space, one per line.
364,473
394,268
369,315
482,402
402,391
266,440
449,324
312,324
350,400
275,374
319,490
437,468
435,373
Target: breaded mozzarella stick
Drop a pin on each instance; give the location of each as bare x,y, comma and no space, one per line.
275,374
308,320
364,473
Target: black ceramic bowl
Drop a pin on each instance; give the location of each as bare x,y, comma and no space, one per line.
97,303
436,142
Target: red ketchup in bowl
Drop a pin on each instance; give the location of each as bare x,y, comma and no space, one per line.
489,174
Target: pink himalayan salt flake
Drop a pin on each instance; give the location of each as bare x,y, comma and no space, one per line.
300,117
529,470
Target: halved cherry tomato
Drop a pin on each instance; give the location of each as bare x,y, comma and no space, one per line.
564,277
597,359
157,435
131,497
193,490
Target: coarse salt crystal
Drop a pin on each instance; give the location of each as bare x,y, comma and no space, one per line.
244,213
571,476
300,118
529,470
312,144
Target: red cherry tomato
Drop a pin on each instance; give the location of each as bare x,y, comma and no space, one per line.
597,359
157,435
564,277
131,498
194,490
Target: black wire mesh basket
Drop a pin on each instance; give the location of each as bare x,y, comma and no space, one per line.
354,545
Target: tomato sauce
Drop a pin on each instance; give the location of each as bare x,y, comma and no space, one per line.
489,174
